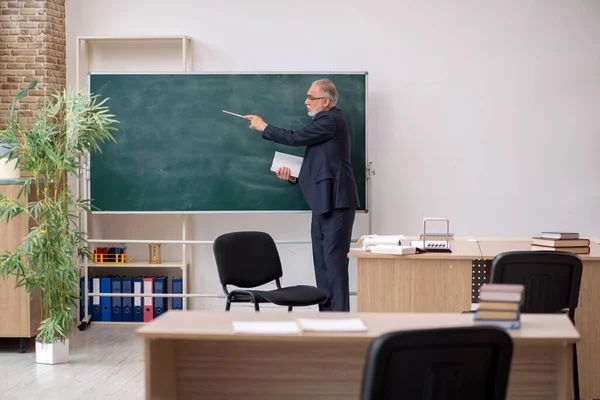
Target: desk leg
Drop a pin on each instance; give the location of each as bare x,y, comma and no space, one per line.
564,372
540,372
587,320
414,285
161,382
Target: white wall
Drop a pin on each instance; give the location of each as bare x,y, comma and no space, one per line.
482,112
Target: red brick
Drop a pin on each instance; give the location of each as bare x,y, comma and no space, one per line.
25,52
8,86
29,25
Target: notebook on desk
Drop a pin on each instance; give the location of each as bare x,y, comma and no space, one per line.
265,327
380,239
390,249
331,325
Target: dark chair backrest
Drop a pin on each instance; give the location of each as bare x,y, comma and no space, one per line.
466,363
551,279
247,259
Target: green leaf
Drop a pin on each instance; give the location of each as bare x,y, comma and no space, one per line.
67,127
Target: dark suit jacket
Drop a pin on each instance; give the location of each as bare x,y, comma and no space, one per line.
326,177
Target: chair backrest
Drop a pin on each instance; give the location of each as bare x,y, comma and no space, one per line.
551,279
467,363
247,259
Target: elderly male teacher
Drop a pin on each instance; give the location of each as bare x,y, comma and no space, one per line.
328,185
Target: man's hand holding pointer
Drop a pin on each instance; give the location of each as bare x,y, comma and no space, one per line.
256,122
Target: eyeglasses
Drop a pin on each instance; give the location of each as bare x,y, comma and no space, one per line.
310,98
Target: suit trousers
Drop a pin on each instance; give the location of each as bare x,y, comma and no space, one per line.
331,234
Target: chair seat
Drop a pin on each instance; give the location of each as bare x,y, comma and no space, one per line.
296,296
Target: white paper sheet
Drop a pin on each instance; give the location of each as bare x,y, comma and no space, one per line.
391,249
287,160
265,327
332,325
382,239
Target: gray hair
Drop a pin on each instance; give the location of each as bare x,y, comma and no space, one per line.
328,89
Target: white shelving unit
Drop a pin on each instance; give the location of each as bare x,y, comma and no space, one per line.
176,56
181,47
86,45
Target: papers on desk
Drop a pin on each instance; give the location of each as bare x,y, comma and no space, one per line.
304,324
383,244
391,249
332,325
395,240
294,163
266,327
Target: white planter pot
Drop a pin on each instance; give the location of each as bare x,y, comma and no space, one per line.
9,169
55,353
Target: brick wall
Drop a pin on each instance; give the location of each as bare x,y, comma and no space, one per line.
32,46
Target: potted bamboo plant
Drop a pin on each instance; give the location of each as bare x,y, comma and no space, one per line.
67,126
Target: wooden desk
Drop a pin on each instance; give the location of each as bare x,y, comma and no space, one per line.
192,354
20,315
441,282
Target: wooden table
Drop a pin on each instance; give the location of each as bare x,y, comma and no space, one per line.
194,354
441,282
20,314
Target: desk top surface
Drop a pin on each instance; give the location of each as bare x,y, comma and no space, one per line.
219,325
477,248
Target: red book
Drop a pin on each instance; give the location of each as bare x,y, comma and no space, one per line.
148,301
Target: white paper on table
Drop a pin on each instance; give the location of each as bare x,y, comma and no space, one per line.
265,327
382,239
332,325
391,249
294,163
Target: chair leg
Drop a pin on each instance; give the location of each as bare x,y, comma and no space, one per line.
228,305
575,374
320,307
290,308
256,307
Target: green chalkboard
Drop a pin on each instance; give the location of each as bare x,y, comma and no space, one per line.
177,151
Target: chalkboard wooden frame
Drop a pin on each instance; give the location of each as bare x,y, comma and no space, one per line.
366,167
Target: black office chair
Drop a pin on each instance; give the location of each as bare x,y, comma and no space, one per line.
467,363
551,279
250,259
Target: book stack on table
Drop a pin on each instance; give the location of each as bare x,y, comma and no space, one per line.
500,305
561,241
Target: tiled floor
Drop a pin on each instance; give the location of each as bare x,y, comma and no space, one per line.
106,362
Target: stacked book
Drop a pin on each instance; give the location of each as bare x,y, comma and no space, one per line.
500,305
561,241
